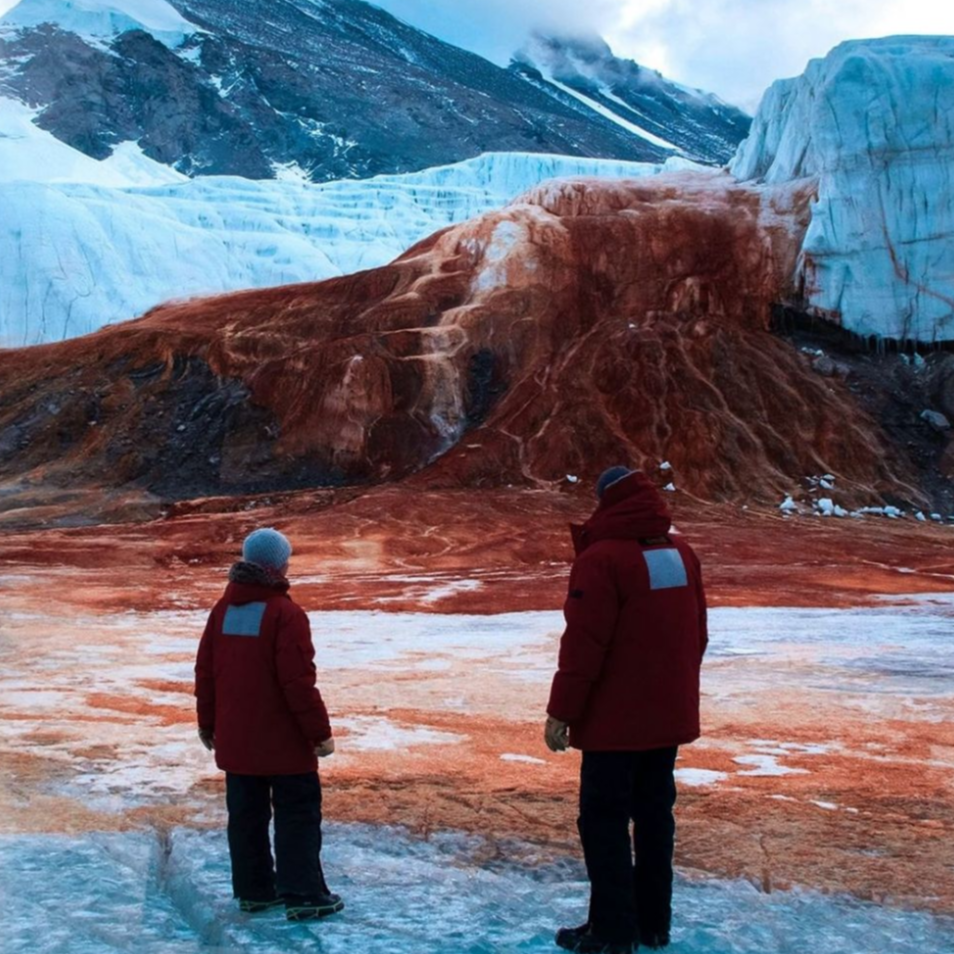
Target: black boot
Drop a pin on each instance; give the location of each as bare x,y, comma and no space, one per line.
654,940
311,909
582,940
566,937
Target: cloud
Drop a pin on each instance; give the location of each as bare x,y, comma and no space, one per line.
735,48
496,29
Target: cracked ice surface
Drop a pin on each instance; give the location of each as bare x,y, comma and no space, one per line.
169,892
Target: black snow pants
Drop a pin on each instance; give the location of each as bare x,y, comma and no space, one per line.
628,896
297,873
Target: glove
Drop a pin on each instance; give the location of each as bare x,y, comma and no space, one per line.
556,734
326,748
207,738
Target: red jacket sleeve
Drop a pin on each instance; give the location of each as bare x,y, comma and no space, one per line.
205,679
591,611
295,664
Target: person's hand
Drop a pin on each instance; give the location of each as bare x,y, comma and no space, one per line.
207,738
324,749
556,734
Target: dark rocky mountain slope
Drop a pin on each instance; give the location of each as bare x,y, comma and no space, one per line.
334,88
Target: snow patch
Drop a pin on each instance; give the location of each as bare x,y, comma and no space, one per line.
696,777
29,153
766,765
377,734
104,18
529,759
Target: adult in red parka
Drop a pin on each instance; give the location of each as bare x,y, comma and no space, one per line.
260,710
627,694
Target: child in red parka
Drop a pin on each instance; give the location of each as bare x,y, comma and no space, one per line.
261,712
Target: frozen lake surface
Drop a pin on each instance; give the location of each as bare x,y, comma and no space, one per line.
169,892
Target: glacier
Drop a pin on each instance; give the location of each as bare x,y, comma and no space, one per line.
101,19
84,242
76,255
873,122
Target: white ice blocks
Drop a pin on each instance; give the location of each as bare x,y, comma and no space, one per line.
874,123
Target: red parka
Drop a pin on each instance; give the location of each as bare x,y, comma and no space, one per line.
255,684
628,677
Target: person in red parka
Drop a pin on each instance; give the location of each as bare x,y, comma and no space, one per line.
626,693
260,710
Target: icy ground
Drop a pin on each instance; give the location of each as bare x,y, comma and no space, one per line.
128,677
169,892
102,703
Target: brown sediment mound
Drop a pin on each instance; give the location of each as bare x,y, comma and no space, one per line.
588,322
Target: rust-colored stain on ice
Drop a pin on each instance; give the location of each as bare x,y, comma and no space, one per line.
864,802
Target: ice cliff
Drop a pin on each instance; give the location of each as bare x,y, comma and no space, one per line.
77,255
873,122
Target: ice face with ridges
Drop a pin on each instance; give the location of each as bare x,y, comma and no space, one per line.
76,256
874,123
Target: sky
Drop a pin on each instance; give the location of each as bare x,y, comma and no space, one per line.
734,48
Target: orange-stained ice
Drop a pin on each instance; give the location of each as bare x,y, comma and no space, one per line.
108,741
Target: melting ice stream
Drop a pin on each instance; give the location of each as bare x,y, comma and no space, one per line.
170,892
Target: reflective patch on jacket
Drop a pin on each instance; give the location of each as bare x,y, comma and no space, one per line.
666,569
245,620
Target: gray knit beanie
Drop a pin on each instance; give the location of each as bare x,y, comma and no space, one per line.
609,477
267,548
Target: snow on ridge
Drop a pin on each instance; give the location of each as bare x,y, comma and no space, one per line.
607,113
540,61
104,18
29,153
873,122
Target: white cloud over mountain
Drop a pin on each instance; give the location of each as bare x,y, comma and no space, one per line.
735,48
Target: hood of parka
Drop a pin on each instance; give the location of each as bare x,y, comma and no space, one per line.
249,583
631,509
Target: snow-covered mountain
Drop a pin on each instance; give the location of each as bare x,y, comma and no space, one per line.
77,255
320,89
873,122
585,73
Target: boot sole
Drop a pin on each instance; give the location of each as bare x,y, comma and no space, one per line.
257,907
312,913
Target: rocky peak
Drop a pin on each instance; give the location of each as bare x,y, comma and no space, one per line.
332,89
691,122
